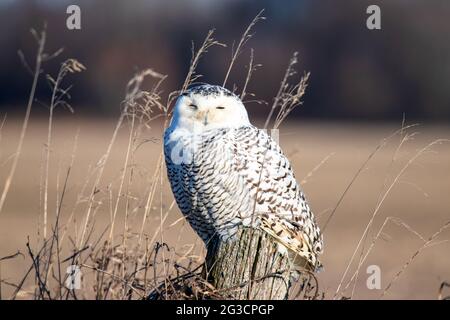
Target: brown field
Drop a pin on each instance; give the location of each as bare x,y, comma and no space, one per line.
420,197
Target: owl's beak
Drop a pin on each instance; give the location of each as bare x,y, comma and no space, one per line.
205,118
202,116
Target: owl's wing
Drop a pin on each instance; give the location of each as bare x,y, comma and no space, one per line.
279,203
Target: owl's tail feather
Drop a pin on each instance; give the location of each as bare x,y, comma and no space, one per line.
294,243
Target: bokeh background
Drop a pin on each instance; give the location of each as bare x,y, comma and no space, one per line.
363,83
356,73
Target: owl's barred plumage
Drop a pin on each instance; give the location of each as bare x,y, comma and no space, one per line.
226,173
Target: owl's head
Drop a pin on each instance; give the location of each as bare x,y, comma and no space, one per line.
207,107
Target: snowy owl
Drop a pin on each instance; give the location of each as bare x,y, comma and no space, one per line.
226,173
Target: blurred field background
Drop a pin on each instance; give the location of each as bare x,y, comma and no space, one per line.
362,85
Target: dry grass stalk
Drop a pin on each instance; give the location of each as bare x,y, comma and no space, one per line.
288,96
59,96
40,57
191,76
245,37
382,197
413,256
381,145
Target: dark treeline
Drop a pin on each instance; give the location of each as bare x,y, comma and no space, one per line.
355,72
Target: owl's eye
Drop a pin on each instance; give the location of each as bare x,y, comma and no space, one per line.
193,106
220,108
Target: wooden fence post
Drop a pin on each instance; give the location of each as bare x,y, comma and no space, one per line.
248,267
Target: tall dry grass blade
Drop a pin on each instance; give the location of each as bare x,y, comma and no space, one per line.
317,167
58,98
404,136
381,145
394,220
2,124
251,68
292,99
380,203
207,43
245,37
101,164
37,70
122,179
413,256
283,87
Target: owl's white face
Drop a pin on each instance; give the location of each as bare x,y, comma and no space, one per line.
208,107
